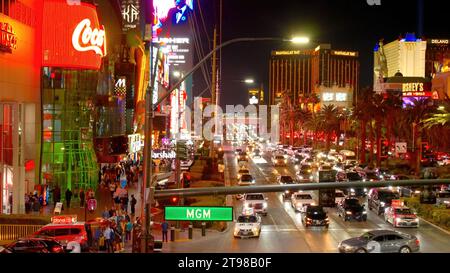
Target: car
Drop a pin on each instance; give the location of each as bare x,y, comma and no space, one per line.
247,226
407,191
246,180
351,209
279,160
339,196
380,199
33,245
401,216
308,161
256,201
443,198
373,176
285,180
241,172
300,200
354,176
305,174
315,216
297,158
325,167
381,241
257,153
64,229
242,156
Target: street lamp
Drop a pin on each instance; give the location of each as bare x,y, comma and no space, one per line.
150,108
249,81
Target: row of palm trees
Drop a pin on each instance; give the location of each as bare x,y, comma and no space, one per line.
376,120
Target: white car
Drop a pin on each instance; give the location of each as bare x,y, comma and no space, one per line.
256,201
300,200
401,216
339,196
443,198
247,226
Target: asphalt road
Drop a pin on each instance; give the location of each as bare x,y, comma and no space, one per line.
283,232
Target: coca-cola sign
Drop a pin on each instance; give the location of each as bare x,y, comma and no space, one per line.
86,38
72,36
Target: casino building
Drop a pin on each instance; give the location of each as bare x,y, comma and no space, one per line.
52,55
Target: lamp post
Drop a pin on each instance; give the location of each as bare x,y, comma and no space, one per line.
150,107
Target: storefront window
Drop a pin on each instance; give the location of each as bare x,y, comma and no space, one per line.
6,156
68,157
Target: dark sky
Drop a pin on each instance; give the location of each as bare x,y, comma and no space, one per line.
345,24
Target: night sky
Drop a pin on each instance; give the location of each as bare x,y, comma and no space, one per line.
345,24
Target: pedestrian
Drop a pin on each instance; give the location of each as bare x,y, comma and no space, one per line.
112,212
68,197
112,188
109,237
97,235
127,217
128,228
133,204
82,198
164,228
56,195
105,213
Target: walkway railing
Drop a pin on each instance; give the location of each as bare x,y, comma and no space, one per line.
13,232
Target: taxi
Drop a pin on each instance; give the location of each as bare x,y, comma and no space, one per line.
65,229
400,216
248,224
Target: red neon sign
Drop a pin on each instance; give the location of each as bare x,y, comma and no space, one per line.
72,36
64,219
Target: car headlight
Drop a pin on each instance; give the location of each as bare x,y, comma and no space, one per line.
308,219
382,204
265,205
446,202
416,220
417,192
286,191
364,212
255,230
352,190
397,219
348,212
327,219
365,190
253,181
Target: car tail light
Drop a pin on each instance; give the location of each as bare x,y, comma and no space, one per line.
57,249
417,242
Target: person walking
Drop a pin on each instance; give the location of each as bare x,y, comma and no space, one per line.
56,195
108,234
68,197
82,198
105,213
165,229
128,228
133,204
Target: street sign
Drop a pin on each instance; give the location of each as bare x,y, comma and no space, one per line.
176,213
182,152
401,147
58,207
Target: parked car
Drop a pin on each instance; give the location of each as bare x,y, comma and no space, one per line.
351,209
380,199
33,245
300,200
381,241
315,216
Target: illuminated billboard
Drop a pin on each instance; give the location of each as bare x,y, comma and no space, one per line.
130,10
171,17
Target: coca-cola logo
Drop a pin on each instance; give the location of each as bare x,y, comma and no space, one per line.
85,38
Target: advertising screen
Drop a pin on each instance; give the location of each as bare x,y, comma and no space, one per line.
171,17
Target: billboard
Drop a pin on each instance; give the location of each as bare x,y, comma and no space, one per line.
170,17
73,36
130,10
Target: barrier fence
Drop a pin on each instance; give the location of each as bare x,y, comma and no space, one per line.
13,232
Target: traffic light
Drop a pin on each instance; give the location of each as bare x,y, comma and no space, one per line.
425,147
182,151
384,148
174,200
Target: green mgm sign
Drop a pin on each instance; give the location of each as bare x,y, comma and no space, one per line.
174,213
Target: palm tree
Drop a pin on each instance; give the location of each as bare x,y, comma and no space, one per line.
415,115
302,116
379,112
314,124
362,114
329,116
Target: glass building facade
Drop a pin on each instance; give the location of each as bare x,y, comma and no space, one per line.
68,114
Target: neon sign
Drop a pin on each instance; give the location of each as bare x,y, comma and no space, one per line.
91,39
8,39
